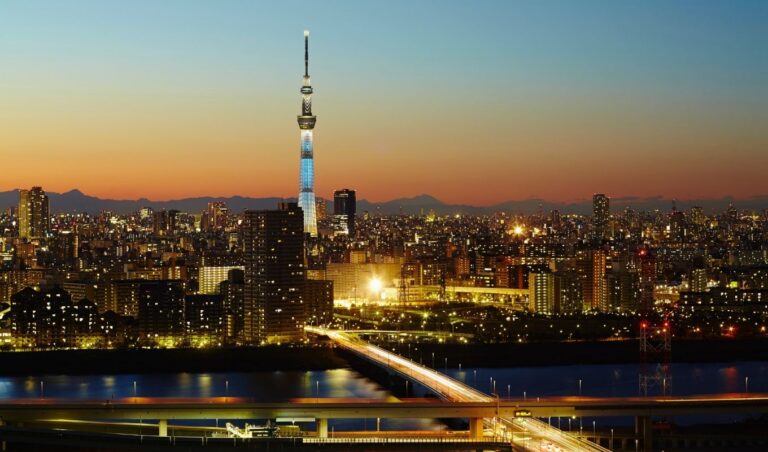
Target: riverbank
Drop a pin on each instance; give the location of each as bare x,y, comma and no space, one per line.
587,352
324,357
73,362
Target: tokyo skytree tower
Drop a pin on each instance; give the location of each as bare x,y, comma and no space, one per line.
307,169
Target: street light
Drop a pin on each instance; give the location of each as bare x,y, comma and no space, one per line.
594,431
579,386
433,360
134,389
524,395
611,446
474,372
746,385
509,391
42,389
226,389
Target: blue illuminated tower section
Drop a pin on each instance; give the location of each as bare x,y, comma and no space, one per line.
307,170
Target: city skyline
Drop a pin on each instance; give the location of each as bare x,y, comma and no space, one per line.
473,104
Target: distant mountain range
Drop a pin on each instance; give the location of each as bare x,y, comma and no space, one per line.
75,201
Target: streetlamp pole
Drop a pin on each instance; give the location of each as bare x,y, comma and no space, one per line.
579,386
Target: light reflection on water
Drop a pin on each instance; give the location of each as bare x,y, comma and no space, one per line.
620,380
256,386
597,380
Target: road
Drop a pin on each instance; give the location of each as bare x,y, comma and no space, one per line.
525,433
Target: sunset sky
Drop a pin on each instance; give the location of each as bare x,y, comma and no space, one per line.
473,102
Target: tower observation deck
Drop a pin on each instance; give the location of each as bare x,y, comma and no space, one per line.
307,167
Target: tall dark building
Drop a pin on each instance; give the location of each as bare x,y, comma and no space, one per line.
274,275
233,292
161,311
600,214
344,208
318,299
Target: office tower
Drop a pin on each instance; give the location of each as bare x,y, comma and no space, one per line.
344,208
321,209
34,214
307,170
215,216
600,214
541,285
274,274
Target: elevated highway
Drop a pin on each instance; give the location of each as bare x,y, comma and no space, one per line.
502,424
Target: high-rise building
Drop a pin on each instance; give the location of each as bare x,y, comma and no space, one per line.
542,292
274,274
161,311
34,214
233,292
318,298
307,170
599,283
215,216
600,214
344,208
321,209
569,297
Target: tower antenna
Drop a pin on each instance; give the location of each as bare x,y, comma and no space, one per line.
306,53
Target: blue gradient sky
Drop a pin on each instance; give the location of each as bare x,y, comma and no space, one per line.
473,102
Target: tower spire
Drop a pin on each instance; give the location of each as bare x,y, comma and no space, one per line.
306,53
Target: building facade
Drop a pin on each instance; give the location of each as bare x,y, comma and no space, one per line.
344,208
274,275
34,213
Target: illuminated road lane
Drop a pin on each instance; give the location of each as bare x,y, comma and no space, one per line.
528,434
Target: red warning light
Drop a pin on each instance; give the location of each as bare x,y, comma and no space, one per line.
643,325
642,252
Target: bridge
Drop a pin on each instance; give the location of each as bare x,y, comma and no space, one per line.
502,423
